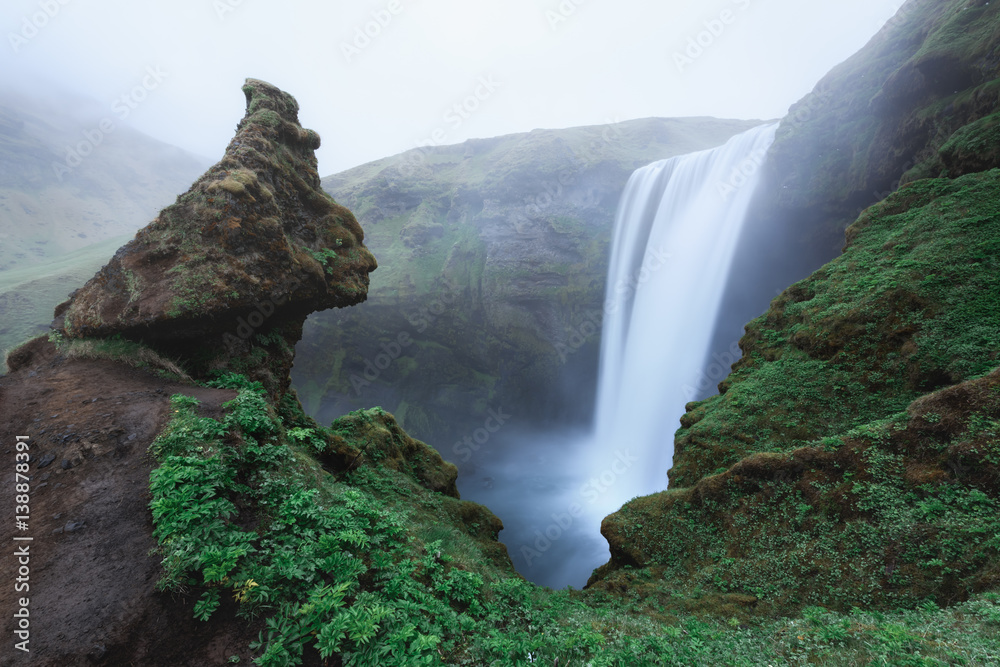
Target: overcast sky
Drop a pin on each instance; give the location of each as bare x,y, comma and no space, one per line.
377,77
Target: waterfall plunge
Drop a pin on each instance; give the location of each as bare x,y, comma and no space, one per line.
676,231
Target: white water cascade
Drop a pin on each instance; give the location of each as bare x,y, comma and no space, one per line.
675,236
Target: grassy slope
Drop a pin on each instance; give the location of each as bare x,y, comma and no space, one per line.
56,233
336,538
29,294
911,306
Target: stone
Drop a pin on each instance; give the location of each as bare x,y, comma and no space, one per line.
255,238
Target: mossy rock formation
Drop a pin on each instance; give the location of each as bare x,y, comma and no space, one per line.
253,243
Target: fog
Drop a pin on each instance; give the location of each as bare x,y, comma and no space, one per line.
379,77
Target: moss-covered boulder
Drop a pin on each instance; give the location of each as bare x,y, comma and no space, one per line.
381,440
251,249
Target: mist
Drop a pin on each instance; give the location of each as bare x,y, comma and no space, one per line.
383,77
377,78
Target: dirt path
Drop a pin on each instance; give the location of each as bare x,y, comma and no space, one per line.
92,596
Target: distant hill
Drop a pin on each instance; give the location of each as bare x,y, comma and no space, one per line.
62,218
66,182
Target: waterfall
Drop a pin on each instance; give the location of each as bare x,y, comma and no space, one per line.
675,236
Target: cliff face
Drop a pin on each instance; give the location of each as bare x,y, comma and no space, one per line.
880,118
851,455
494,258
917,101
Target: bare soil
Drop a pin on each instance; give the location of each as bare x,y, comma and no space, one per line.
92,597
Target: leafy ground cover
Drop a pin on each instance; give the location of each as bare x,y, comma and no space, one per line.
364,565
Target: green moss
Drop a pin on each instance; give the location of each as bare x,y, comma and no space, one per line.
370,566
850,458
909,307
974,147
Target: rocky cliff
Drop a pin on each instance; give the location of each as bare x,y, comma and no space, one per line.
918,101
494,257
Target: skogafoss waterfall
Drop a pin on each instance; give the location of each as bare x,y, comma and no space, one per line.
675,235
676,231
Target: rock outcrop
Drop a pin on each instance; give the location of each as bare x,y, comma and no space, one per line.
879,119
250,250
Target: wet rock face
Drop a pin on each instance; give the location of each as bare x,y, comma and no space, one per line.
254,242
